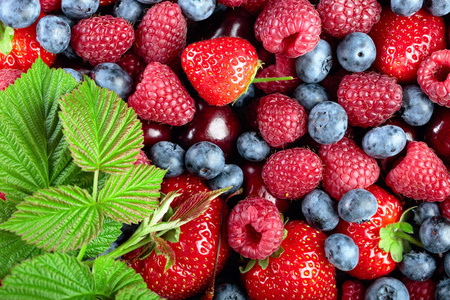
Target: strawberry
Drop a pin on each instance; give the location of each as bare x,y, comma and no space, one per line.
8,76
301,272
421,34
186,182
373,262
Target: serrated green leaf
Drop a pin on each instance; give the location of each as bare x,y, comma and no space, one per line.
103,133
7,208
164,208
385,244
132,196
406,227
162,247
137,292
57,219
109,233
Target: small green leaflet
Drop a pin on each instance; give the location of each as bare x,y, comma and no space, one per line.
109,233
6,36
103,133
136,293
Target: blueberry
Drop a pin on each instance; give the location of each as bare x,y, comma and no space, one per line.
19,13
229,291
357,206
384,141
447,264
418,266
245,98
424,211
231,175
197,10
251,146
70,53
114,78
417,107
79,9
443,290
406,8
387,288
437,7
205,160
168,155
341,251
53,34
314,66
434,233
127,231
356,52
130,10
310,94
75,74
327,122
149,1
320,210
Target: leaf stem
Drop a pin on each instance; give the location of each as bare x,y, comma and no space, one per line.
409,238
269,79
81,253
95,186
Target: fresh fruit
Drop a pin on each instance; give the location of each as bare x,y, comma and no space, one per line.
155,132
227,291
310,94
417,107
204,159
384,141
197,10
425,210
79,9
356,52
130,10
113,77
388,287
231,177
357,206
327,122
50,5
168,156
406,8
443,289
8,76
314,65
352,290
320,211
420,290
251,146
341,251
187,184
433,234
418,266
19,13
132,63
53,33
437,133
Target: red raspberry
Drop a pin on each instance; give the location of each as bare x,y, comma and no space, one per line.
352,290
255,6
255,228
102,39
444,207
2,196
50,5
347,167
341,17
369,98
133,64
142,159
231,3
161,35
421,175
433,79
292,173
8,76
161,97
283,67
281,119
289,27
420,290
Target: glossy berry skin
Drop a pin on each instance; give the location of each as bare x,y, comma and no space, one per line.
419,266
425,210
352,290
341,251
420,290
251,146
388,288
327,122
197,10
320,211
114,78
443,289
220,69
437,133
384,141
53,33
434,234
417,107
188,184
356,52
406,8
205,160
357,206
8,76
373,262
421,35
310,94
75,74
168,155
231,176
19,13
79,9
130,10
132,63
437,7
314,66
50,5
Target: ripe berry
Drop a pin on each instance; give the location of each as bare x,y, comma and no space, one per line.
434,234
231,176
406,8
130,10
205,159
197,10
251,146
388,288
425,210
341,251
168,155
8,76
356,52
384,141
419,266
443,289
19,13
417,107
75,74
79,9
310,94
114,78
53,33
320,211
314,66
327,122
357,206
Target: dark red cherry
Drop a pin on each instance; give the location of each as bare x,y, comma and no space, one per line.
155,132
437,134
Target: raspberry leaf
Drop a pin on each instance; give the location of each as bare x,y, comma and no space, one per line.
136,293
163,247
103,133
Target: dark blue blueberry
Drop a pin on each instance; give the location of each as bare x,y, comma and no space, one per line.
341,251
320,210
168,155
79,9
19,13
447,263
327,122
424,211
69,21
75,74
357,206
437,7
387,288
205,160
310,94
53,33
434,233
245,98
356,52
417,107
406,8
130,10
384,141
197,10
70,53
114,78
229,291
251,146
314,66
443,290
418,266
231,175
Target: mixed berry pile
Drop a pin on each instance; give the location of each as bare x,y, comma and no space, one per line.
329,120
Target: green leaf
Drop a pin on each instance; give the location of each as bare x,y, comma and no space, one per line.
132,196
7,208
164,208
109,233
406,227
103,133
263,263
57,219
6,36
162,247
33,153
137,293
277,252
396,251
251,263
172,235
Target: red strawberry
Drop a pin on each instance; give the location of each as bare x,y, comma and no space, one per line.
8,76
421,175
289,27
161,35
347,167
292,173
281,119
352,290
403,42
369,98
301,272
102,39
189,185
161,97
106,2
373,262
420,290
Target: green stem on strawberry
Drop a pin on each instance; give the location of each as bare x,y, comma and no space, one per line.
6,36
269,79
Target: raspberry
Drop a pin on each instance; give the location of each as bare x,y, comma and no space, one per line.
420,290
281,119
369,98
289,27
421,175
347,167
142,159
444,207
292,173
352,290
133,64
432,77
231,3
8,76
161,35
255,228
341,17
255,6
161,97
50,5
102,39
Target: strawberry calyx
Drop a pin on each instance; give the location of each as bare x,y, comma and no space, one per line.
6,36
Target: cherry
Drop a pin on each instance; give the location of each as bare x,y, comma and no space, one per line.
155,132
437,133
